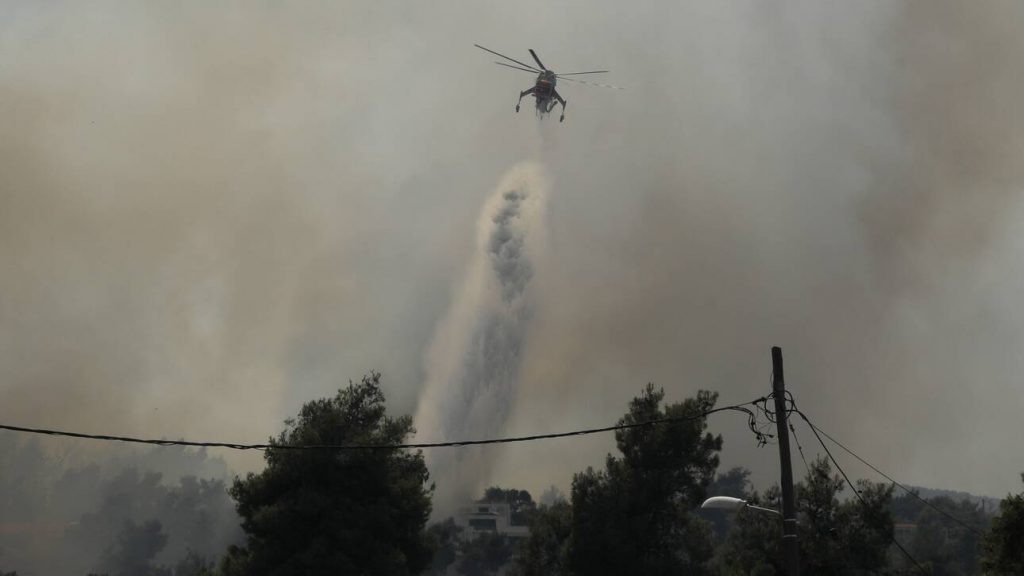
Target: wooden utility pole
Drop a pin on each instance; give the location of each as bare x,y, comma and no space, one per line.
790,546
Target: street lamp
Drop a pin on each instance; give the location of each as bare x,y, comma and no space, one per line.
732,505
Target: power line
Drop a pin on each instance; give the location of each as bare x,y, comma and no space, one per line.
892,538
350,447
798,446
904,488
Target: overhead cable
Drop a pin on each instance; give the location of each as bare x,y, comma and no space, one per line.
798,446
856,492
925,501
421,445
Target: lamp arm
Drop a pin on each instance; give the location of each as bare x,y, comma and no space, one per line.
764,509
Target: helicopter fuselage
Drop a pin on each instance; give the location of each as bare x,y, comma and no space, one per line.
544,91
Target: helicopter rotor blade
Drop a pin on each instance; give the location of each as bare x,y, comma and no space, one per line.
591,72
507,58
534,54
516,67
590,83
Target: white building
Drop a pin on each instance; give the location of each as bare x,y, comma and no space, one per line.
483,517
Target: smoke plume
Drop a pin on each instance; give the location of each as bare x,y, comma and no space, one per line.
473,363
213,212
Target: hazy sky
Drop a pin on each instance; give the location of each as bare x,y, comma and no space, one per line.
211,212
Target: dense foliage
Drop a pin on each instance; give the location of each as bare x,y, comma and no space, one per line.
336,512
485,554
850,536
939,543
118,511
1004,545
365,512
444,539
546,551
520,503
636,516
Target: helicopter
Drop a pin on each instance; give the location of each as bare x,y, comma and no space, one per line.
543,89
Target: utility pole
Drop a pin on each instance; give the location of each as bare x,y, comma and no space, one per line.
790,546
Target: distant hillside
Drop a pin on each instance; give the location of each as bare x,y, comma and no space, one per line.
989,502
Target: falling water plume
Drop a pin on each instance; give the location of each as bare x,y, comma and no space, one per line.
473,363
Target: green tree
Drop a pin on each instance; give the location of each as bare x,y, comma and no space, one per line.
545,552
753,540
196,516
944,545
520,504
836,537
635,517
735,482
1004,544
849,537
193,564
444,538
136,547
485,554
336,512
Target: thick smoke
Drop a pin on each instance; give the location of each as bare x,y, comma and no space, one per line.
841,181
473,364
64,515
210,213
